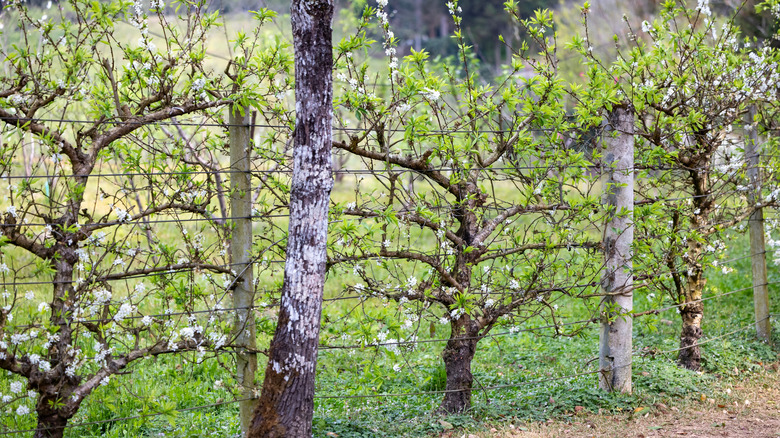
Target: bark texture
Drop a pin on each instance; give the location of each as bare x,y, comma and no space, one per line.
690,352
692,312
50,426
240,253
457,356
286,405
460,349
616,338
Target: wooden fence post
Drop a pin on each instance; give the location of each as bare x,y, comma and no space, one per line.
615,342
756,222
240,253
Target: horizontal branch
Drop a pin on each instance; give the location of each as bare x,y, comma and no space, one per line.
420,165
148,212
39,129
405,255
156,269
133,123
18,239
115,365
491,225
452,237
537,246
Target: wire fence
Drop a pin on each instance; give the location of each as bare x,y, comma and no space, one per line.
528,173
639,353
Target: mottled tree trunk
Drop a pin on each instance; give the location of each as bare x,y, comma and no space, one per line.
457,356
690,353
692,311
615,348
286,405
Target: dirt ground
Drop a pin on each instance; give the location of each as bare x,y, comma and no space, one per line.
749,408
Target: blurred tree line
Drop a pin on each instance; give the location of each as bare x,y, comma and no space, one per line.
426,24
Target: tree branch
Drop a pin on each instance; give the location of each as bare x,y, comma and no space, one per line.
419,164
75,155
407,255
137,122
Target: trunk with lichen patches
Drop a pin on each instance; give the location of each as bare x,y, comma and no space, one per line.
286,405
692,309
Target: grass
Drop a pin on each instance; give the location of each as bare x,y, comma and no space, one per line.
535,363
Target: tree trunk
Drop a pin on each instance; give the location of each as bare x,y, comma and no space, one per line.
54,406
692,312
52,419
457,356
51,425
286,404
615,348
690,353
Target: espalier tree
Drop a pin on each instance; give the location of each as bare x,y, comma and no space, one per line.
497,222
690,80
112,213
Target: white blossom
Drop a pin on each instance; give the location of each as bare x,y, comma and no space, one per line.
16,387
431,94
125,310
704,7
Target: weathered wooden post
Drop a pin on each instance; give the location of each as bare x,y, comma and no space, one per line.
240,253
617,282
756,222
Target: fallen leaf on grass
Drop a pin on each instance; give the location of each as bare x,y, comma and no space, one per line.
446,425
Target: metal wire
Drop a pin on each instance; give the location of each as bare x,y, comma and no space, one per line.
132,417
